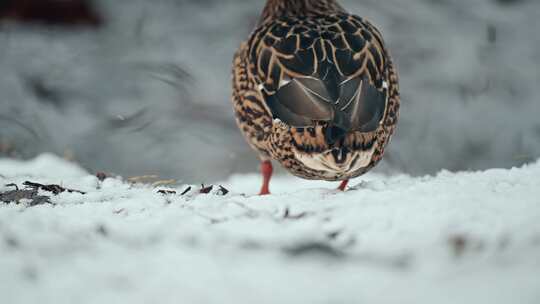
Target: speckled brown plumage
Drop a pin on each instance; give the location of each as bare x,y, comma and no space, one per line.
315,89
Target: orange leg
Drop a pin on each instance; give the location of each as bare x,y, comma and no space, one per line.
266,170
343,185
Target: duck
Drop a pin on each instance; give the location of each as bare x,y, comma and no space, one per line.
315,89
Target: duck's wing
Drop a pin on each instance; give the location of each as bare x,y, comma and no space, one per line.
328,68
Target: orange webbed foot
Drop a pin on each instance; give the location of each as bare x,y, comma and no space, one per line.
343,185
266,171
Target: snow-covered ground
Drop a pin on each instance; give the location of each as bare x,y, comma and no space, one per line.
154,84
471,237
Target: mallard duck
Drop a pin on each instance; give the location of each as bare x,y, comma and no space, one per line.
315,89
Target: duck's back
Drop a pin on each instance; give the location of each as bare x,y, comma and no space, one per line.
321,68
323,89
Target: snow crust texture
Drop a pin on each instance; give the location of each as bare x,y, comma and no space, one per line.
471,237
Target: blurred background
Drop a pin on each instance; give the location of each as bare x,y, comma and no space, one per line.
143,87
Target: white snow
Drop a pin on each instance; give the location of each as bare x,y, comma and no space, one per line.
471,237
469,78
